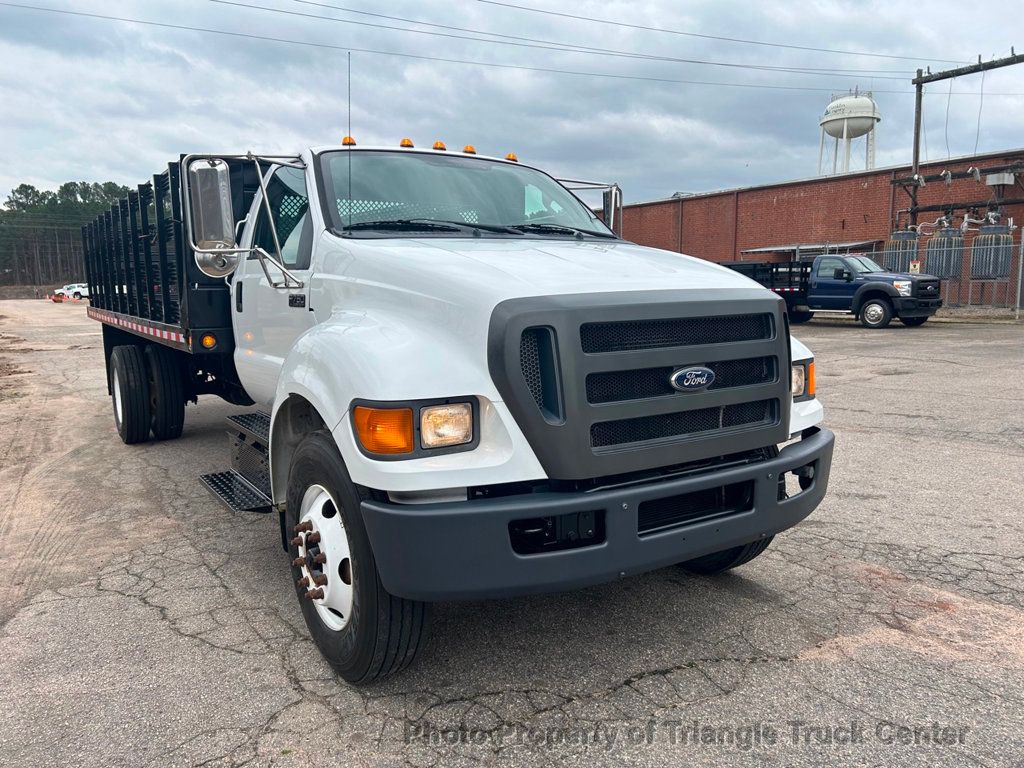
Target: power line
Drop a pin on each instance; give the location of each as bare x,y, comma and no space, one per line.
616,23
547,44
421,57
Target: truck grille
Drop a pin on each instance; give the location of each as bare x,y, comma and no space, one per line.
587,377
927,289
617,386
597,338
682,423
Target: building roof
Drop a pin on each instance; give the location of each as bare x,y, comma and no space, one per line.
891,169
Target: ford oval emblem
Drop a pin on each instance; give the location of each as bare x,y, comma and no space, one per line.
692,379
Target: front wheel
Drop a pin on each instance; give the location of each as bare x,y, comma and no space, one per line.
876,313
913,322
717,562
798,317
78,295
364,632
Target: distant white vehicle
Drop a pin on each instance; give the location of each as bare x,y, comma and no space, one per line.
74,291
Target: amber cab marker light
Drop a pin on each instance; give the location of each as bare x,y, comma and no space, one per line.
469,149
406,143
810,379
348,141
209,341
384,430
512,156
439,145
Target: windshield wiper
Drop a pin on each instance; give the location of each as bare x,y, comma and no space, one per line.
399,225
562,229
471,225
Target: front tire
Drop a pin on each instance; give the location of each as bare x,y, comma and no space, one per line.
798,318
718,562
363,632
129,391
876,313
913,322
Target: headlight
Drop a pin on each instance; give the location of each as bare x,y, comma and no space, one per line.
802,380
902,287
445,425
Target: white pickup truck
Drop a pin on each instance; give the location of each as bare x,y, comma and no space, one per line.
465,384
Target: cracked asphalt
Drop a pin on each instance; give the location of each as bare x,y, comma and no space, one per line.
143,625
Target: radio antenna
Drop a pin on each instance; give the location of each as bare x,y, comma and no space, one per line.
349,133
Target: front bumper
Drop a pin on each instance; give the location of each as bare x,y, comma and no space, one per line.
914,307
462,550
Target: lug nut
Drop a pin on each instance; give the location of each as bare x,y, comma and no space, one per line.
315,594
313,538
303,582
298,562
297,541
320,581
303,527
320,559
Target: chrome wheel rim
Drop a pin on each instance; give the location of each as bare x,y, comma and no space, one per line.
118,406
320,514
873,313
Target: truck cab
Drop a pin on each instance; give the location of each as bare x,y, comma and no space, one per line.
857,284
464,384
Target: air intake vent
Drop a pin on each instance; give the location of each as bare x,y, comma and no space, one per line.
677,332
540,371
698,506
684,423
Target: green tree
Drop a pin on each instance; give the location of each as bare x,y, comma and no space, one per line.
40,240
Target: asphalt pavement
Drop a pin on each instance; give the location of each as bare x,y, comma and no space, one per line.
141,624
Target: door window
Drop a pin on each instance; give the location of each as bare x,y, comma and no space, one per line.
289,204
828,267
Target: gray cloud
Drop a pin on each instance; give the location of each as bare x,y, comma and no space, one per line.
98,100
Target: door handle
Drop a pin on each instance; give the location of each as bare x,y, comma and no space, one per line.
238,296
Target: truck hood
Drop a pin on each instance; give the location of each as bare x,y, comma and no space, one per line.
458,268
888,277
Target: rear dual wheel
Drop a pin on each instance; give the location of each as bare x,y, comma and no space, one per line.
147,393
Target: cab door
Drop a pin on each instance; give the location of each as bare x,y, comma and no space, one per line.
826,291
268,320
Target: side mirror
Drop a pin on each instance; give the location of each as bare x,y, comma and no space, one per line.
842,274
212,217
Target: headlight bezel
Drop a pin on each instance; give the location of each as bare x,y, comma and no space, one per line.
809,390
904,288
419,451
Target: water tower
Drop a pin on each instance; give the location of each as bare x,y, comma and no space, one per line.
846,118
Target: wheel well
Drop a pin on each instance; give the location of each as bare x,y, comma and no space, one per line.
868,296
295,419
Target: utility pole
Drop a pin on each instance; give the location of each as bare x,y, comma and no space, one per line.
932,77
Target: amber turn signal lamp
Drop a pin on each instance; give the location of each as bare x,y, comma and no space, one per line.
810,379
406,143
348,141
384,430
209,341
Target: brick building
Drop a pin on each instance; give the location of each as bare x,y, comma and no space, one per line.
854,212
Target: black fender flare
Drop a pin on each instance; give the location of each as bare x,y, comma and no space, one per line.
859,296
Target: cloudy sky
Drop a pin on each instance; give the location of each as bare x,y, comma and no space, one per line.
94,99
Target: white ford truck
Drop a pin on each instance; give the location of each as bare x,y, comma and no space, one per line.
465,384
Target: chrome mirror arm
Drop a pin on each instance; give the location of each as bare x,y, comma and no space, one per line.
290,281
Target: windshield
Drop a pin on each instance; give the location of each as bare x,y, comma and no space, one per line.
864,264
371,192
